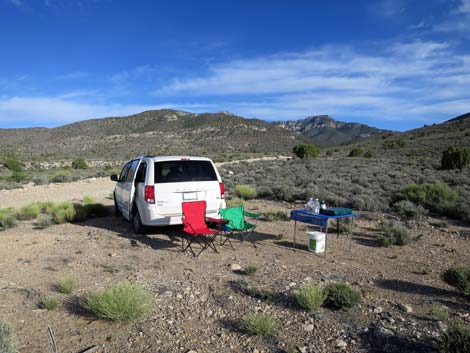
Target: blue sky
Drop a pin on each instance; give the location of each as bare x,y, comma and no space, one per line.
389,63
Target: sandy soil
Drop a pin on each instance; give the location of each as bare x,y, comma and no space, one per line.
199,301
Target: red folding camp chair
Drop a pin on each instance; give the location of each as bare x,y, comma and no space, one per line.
194,222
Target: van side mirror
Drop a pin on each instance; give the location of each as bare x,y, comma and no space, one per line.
114,177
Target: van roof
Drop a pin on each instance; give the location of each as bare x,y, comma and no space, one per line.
178,158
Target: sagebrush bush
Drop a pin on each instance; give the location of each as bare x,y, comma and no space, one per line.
305,151
19,176
7,218
455,157
79,163
408,210
43,221
276,215
245,192
341,296
458,277
439,312
68,284
50,304
28,212
6,339
263,325
62,176
122,302
12,164
235,201
356,152
394,233
64,212
311,296
456,340
433,196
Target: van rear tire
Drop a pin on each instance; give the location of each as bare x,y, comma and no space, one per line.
137,226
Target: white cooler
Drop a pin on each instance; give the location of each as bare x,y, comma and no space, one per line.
316,241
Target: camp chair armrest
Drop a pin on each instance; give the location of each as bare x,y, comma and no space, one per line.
216,220
251,215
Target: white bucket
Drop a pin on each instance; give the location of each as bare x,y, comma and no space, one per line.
316,241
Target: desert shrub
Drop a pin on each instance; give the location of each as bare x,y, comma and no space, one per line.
50,304
46,207
395,233
456,340
439,312
62,176
245,192
341,296
250,270
305,151
311,296
12,164
458,277
6,340
68,284
235,201
7,218
408,210
64,212
89,210
43,221
436,197
329,152
455,157
276,215
28,212
263,325
394,144
356,152
79,163
19,176
369,154
88,200
123,302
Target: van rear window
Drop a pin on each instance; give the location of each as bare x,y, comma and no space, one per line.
184,171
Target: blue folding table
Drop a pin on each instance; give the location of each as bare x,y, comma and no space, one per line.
317,219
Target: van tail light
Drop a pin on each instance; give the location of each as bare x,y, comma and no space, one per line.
222,190
149,194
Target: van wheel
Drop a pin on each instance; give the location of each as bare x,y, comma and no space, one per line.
117,213
137,226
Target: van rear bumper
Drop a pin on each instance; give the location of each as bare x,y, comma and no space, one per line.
150,217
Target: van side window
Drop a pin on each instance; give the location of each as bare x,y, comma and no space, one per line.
132,170
125,169
140,177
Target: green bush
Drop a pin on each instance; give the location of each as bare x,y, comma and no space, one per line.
19,176
64,212
276,215
311,296
245,192
7,218
263,325
250,270
436,197
456,340
6,340
439,312
62,176
13,165
43,221
341,296
50,304
68,284
79,163
394,144
395,233
46,207
356,152
408,210
305,151
123,302
455,157
235,201
28,212
458,277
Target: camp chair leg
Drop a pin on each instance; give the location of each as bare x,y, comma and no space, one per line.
227,239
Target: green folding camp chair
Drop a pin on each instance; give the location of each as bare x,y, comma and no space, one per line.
237,224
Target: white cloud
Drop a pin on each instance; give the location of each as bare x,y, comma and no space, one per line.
41,111
464,7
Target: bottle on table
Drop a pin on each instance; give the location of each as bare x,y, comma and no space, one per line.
316,206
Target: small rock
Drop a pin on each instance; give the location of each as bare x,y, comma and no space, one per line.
406,308
309,328
179,296
235,267
378,309
303,349
341,344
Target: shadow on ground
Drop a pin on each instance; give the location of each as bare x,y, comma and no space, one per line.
415,288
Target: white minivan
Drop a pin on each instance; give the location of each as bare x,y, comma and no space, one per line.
149,190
